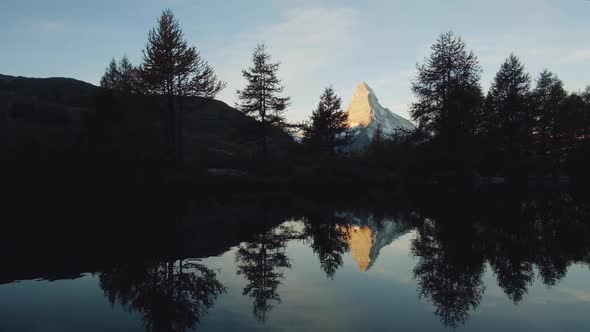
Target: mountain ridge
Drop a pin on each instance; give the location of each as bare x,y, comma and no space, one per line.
366,115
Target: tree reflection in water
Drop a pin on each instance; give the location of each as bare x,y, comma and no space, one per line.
449,273
261,261
521,239
453,246
170,295
328,237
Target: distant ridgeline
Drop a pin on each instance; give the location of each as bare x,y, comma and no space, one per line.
57,117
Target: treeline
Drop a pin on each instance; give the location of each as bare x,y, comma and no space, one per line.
517,130
172,68
169,68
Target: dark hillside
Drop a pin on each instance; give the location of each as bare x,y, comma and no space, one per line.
62,118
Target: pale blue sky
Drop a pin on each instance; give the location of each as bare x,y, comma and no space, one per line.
319,42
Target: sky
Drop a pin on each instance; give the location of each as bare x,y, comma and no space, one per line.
318,42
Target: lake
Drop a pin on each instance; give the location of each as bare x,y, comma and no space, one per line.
470,263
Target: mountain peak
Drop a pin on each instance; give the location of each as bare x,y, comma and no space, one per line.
360,110
366,236
366,114
364,88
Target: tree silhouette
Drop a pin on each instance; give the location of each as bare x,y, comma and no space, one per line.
261,262
548,98
377,148
508,118
512,264
328,127
543,231
111,76
449,274
122,76
448,92
576,127
173,69
328,238
572,123
261,98
171,295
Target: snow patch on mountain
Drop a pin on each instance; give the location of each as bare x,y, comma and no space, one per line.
367,235
365,115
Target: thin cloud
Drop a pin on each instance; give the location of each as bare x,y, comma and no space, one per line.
305,41
306,38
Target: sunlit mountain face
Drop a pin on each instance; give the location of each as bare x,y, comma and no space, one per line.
366,115
360,242
367,236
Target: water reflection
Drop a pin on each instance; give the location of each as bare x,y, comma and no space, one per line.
328,235
261,261
368,233
170,295
454,243
449,272
548,233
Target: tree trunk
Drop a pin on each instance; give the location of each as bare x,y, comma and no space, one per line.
263,118
179,129
171,120
264,142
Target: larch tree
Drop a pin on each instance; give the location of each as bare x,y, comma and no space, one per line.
110,79
572,123
175,70
328,129
376,149
448,92
548,96
128,76
121,76
261,97
508,119
262,262
586,114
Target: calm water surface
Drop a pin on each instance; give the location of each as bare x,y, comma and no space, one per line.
345,270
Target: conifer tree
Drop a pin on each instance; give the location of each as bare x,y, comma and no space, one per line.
261,98
172,68
586,95
585,115
262,262
508,119
328,128
572,122
128,75
448,92
121,76
548,97
110,79
376,149
578,159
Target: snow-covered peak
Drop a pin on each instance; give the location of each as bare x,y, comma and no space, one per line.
365,114
365,88
360,110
